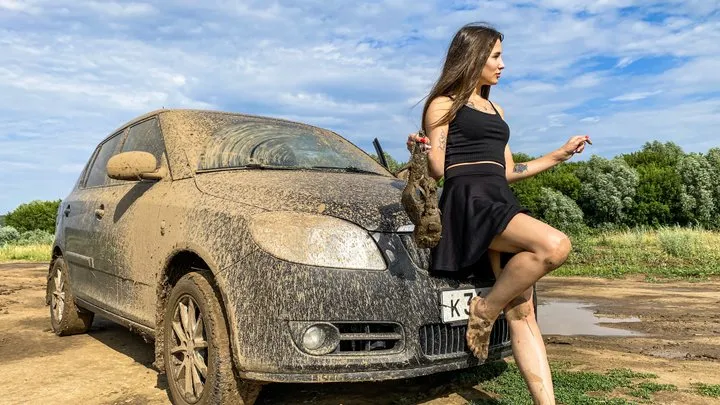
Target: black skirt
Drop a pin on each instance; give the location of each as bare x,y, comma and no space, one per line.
476,205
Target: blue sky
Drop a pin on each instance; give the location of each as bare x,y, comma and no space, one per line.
625,72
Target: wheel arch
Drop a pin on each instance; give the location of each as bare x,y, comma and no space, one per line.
180,262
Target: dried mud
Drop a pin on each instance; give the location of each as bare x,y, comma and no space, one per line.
110,365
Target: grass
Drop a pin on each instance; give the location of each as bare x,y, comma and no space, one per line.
658,254
665,253
617,386
27,253
709,390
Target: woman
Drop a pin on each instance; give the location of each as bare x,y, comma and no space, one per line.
481,217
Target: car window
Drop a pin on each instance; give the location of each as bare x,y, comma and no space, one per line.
98,172
145,137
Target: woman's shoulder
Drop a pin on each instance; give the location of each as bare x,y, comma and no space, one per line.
441,102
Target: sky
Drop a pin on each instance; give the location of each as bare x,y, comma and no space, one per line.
624,72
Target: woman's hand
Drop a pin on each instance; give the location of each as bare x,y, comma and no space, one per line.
418,138
574,145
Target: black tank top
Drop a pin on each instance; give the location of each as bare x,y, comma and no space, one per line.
475,136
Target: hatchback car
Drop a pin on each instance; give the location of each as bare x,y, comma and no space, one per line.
254,250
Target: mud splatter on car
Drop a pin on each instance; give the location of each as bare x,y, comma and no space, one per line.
254,247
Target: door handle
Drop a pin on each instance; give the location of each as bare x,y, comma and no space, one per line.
67,211
100,212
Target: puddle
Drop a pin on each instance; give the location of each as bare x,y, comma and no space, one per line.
569,318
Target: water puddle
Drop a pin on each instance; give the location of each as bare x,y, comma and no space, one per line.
570,318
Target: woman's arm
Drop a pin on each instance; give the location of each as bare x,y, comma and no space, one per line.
437,136
518,171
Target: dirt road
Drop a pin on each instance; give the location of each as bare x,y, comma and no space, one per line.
680,342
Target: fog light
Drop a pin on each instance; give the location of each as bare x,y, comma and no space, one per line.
321,338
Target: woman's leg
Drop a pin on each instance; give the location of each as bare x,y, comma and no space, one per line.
527,342
539,249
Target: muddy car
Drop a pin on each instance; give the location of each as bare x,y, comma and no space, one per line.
254,250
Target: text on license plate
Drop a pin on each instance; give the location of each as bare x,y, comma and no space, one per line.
454,304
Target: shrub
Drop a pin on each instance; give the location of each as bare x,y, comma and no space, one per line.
696,197
35,237
561,211
8,234
607,192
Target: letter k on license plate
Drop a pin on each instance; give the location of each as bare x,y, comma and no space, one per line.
454,304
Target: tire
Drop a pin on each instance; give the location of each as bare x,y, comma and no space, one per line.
195,307
65,317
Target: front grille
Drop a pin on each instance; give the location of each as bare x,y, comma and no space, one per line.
442,339
369,338
419,256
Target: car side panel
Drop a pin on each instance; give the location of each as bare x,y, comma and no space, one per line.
80,228
125,245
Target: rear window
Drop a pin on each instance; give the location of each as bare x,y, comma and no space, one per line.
276,144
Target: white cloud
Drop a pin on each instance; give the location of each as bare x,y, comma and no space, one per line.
626,61
635,96
72,71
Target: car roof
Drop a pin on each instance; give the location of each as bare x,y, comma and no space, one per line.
185,111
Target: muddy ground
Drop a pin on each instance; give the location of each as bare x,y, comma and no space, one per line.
680,323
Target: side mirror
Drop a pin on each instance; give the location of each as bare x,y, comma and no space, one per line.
134,166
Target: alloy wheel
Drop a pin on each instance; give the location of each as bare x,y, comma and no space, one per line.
189,349
57,301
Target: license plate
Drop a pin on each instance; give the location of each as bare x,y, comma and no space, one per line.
454,304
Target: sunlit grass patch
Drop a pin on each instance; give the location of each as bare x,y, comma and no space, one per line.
665,253
571,387
29,253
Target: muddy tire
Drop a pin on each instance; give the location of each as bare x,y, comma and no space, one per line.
65,317
198,361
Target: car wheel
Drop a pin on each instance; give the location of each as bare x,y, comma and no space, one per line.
198,361
65,317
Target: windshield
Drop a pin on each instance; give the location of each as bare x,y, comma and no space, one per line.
250,143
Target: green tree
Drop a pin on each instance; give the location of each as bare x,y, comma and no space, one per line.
696,196
34,215
563,178
608,189
658,192
655,152
713,157
528,193
658,196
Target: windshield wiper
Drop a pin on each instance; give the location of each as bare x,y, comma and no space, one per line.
259,166
349,169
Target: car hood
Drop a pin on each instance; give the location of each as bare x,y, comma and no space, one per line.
370,201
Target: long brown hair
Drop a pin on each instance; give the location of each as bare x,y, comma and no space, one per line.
464,63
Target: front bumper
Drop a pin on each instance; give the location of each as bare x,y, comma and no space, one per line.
265,296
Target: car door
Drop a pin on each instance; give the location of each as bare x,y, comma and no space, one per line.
81,219
128,234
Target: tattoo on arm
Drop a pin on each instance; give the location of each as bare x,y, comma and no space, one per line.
443,140
520,168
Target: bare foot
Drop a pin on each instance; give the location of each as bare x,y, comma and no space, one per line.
479,328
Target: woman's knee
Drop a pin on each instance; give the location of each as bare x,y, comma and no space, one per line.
556,251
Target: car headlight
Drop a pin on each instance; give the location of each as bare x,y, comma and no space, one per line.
316,240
